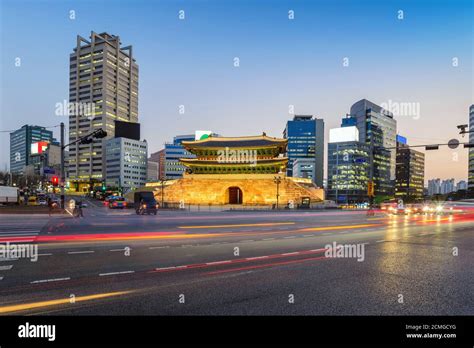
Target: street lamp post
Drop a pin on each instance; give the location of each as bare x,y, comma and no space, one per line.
277,181
162,193
63,176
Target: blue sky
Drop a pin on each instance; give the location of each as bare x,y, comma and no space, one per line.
299,62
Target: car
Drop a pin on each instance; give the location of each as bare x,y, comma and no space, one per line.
117,203
42,201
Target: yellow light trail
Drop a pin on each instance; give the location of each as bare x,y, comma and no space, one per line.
41,304
240,225
326,228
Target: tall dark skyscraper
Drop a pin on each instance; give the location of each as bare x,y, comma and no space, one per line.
20,145
409,173
377,128
104,82
305,135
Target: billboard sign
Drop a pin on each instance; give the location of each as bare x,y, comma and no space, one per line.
201,134
343,134
39,147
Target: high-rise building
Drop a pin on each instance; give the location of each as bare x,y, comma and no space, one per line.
21,142
126,165
434,187
170,167
305,135
470,179
409,173
304,168
447,186
461,185
377,128
103,88
348,166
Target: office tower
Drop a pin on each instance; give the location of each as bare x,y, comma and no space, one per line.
22,141
305,135
103,88
409,173
377,128
471,152
348,166
126,165
168,161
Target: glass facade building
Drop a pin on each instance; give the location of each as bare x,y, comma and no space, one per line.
377,128
410,173
348,172
305,136
170,166
20,145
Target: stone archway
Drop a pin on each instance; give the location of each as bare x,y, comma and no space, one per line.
234,195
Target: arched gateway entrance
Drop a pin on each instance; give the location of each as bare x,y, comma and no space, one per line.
235,195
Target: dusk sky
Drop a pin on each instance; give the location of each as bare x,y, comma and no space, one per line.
283,62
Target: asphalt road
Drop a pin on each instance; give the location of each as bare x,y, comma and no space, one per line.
238,263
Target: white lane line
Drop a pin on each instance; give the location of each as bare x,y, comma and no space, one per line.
246,241
380,241
4,260
172,267
289,237
268,239
307,235
326,234
216,243
2,235
6,268
256,257
218,262
118,249
81,252
186,245
293,253
115,273
159,247
47,254
49,280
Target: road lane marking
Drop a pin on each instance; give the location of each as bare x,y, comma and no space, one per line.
159,247
257,258
239,225
115,273
218,262
328,228
246,241
81,252
380,241
41,304
11,259
6,268
47,254
49,280
249,259
118,249
289,237
268,239
1,278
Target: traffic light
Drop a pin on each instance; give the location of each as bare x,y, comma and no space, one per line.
86,141
103,186
55,181
100,133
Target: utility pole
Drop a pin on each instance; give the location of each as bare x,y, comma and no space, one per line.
63,176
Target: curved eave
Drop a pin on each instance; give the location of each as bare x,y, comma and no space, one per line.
195,161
